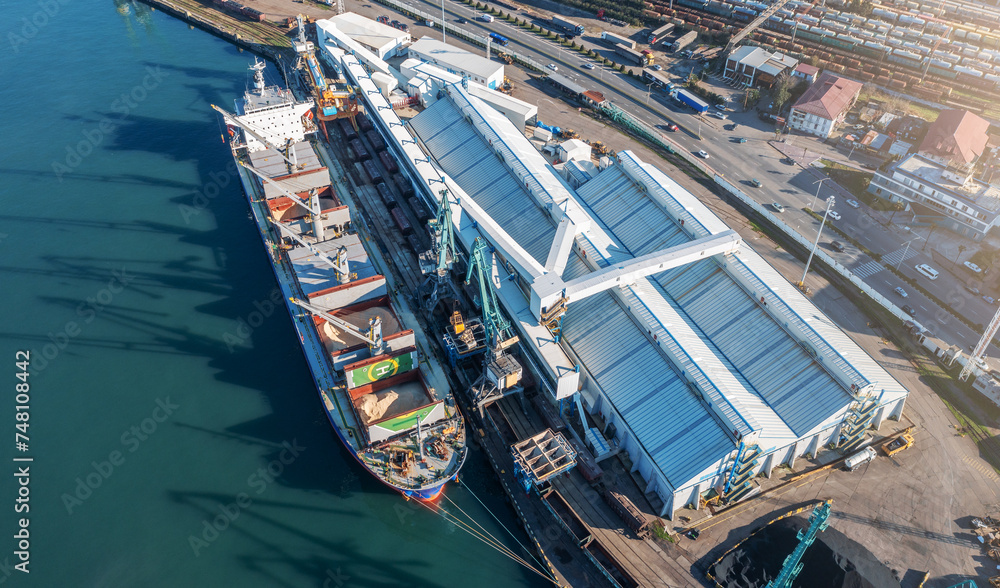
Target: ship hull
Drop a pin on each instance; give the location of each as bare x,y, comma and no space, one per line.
426,494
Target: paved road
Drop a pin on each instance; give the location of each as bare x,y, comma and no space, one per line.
793,186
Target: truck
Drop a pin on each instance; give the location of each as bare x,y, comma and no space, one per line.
613,40
683,41
859,459
659,34
897,444
686,97
631,55
573,29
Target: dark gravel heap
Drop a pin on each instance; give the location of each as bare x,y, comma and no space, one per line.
832,561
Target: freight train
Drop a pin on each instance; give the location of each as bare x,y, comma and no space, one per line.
235,7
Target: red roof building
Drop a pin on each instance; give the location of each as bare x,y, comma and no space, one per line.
824,105
956,139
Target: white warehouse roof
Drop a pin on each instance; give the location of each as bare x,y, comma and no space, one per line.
456,59
370,33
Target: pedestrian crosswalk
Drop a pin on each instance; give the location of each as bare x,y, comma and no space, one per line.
873,267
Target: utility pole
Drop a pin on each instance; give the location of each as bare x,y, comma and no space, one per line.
829,206
444,33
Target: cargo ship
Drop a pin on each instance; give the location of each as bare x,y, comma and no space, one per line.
399,421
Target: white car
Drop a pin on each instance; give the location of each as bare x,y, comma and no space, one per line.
552,66
834,215
853,203
973,267
717,115
588,66
901,292
703,154
778,206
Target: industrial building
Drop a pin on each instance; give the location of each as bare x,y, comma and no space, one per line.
382,40
824,105
754,67
458,61
689,352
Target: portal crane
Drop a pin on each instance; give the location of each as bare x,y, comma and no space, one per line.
259,135
436,263
373,336
980,350
818,522
501,372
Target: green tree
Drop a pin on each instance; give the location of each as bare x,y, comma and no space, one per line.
961,250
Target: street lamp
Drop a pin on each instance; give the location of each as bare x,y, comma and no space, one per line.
907,249
816,195
649,90
829,206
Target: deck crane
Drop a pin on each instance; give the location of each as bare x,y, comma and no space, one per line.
311,204
339,264
980,350
436,262
259,135
501,372
373,336
754,24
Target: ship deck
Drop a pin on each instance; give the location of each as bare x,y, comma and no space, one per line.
314,274
390,402
336,340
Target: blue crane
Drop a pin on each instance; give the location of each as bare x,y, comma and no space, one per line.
818,522
497,326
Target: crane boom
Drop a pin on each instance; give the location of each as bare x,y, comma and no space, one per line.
254,132
761,18
980,350
296,199
497,326
339,265
373,337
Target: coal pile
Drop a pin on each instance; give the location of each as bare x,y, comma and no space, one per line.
832,561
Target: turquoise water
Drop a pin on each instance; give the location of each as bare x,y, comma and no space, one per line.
130,269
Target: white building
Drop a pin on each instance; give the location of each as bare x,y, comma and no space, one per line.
382,40
458,61
824,105
753,66
966,205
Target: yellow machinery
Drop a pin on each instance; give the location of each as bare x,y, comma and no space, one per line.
599,148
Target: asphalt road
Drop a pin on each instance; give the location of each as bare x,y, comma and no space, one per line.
790,185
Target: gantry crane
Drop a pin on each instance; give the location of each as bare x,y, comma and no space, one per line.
436,263
761,19
373,336
501,372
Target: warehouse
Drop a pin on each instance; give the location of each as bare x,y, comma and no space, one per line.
382,40
688,350
458,61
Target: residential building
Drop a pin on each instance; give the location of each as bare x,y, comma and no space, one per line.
458,61
806,72
962,203
824,105
956,139
753,66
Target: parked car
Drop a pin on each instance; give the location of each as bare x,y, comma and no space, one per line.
853,203
868,166
756,183
909,310
837,246
973,290
973,267
718,115
989,299
656,67
703,154
778,206
901,292
834,215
